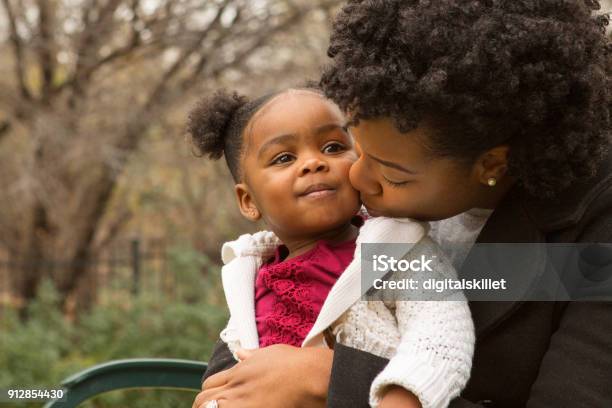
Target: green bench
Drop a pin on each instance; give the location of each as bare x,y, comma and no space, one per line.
131,373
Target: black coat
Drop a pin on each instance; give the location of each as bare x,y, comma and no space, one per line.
528,354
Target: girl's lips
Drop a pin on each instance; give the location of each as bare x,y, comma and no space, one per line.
318,190
313,188
320,193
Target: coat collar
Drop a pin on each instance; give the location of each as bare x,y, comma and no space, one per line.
569,207
509,223
521,218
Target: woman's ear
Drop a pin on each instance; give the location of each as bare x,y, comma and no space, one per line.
246,204
492,165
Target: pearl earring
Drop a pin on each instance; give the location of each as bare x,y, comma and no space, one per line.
492,181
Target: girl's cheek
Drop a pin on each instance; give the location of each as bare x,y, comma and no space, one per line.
361,180
347,165
353,156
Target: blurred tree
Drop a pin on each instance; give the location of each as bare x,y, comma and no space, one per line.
89,80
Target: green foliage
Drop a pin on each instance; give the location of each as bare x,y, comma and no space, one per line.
47,348
188,264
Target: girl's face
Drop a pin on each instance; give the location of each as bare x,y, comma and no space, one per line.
296,166
397,177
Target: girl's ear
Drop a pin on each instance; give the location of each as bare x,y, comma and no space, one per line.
492,165
247,205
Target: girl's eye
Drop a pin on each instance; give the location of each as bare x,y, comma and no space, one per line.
282,159
333,148
395,184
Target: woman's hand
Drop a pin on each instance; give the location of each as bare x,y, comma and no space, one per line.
280,376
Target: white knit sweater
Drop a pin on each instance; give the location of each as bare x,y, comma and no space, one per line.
429,343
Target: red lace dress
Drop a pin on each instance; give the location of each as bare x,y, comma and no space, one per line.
290,293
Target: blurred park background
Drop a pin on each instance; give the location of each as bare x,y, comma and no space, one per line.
110,226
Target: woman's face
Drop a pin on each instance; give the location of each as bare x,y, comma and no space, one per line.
296,165
398,177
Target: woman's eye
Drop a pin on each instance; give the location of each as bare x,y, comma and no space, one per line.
333,148
282,159
395,183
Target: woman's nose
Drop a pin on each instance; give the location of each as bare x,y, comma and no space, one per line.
358,149
361,178
314,165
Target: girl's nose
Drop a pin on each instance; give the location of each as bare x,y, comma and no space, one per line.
362,179
314,165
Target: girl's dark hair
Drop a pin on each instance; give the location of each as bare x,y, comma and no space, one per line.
528,73
217,122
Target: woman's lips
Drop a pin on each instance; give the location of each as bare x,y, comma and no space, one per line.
372,212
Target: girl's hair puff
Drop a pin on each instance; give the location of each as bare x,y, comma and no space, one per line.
216,125
218,121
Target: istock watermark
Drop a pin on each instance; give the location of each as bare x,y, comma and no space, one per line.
385,263
440,285
490,272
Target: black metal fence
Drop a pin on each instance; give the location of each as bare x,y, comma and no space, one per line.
131,266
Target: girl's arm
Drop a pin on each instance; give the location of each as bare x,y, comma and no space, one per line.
434,356
352,375
433,359
242,258
220,360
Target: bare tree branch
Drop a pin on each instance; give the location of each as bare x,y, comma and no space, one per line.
9,237
46,46
112,230
20,68
95,32
203,61
248,49
183,58
5,127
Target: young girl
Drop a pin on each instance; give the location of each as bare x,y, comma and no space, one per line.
289,154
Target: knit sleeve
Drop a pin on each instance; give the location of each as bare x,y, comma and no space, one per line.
231,337
434,357
260,244
242,259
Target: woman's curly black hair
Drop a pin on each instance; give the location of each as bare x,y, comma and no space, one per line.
528,73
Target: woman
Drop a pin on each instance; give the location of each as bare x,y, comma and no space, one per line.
492,117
